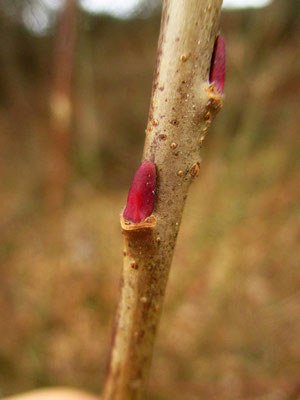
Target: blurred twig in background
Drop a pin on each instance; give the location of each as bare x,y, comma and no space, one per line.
61,106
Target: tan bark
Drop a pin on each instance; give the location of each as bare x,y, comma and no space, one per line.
182,106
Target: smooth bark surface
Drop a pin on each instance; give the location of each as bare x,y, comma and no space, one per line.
182,106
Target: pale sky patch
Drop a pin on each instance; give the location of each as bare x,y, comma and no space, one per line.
116,8
36,18
245,3
125,8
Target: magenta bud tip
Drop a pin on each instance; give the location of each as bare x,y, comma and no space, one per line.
217,67
141,194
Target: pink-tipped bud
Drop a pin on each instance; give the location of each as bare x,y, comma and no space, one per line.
217,67
140,199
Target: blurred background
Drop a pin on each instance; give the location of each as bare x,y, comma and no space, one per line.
75,84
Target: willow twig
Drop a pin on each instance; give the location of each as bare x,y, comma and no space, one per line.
183,105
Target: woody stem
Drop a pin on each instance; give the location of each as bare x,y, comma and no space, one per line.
183,103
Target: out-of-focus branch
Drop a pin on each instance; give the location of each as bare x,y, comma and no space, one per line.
61,105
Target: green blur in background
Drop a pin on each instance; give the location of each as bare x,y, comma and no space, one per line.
230,328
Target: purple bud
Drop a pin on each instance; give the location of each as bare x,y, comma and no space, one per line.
217,67
140,199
